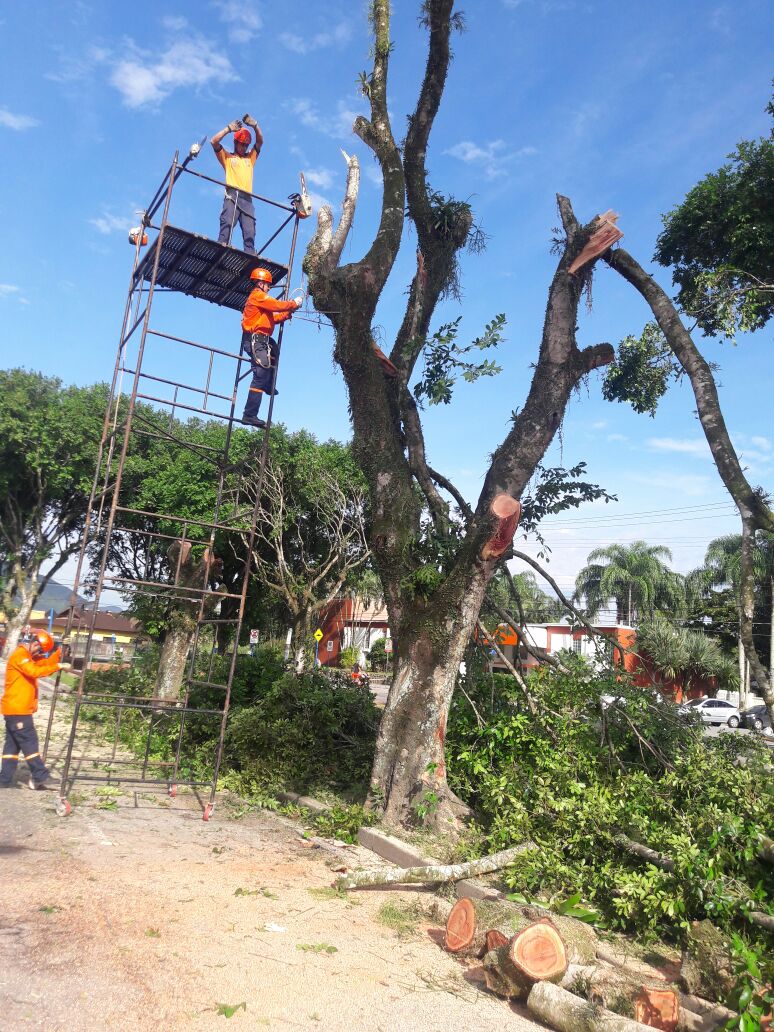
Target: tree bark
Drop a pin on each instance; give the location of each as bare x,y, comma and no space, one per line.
434,872
568,1013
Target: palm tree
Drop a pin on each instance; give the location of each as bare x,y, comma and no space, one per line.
722,569
680,654
636,576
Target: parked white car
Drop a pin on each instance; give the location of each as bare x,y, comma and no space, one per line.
713,711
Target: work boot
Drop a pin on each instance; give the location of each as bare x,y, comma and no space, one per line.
254,421
40,786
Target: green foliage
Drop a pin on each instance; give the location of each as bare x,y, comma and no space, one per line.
554,490
228,1010
377,655
720,243
678,653
636,577
344,822
576,775
753,996
444,361
641,371
349,656
304,731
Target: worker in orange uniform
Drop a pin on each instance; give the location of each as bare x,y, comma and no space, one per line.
20,700
261,313
237,202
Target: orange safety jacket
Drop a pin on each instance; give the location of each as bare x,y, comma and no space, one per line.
20,698
262,312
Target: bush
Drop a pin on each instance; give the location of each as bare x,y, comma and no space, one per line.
349,656
575,775
377,656
305,731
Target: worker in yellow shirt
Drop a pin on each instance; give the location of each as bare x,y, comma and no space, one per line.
238,166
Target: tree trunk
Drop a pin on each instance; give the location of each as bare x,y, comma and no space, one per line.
172,659
408,779
300,642
28,589
534,954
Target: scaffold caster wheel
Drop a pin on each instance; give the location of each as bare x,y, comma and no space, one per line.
63,808
172,791
208,811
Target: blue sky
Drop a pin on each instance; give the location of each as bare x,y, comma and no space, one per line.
617,105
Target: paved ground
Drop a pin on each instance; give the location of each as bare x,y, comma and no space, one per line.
134,913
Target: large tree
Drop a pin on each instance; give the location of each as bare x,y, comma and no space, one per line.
435,570
636,577
48,443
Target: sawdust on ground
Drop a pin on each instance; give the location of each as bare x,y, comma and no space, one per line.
133,913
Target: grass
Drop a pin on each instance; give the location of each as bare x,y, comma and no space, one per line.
403,918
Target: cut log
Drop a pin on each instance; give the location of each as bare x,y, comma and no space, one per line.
600,240
433,872
664,863
536,954
507,510
470,925
658,1008
567,1013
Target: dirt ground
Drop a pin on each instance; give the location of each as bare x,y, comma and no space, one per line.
133,913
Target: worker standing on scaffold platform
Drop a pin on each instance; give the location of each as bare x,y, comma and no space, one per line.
237,202
261,313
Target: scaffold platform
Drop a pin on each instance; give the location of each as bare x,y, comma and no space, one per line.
195,265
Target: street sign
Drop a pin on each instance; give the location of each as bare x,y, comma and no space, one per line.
388,644
318,635
254,635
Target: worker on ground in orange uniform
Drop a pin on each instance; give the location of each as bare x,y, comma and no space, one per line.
20,701
237,202
261,313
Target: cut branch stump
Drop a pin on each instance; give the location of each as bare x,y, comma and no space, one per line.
603,237
507,510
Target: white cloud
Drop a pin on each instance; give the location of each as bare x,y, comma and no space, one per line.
174,22
492,157
148,79
338,36
17,122
339,126
243,20
322,177
762,442
697,447
599,425
11,291
373,172
616,437
107,223
78,68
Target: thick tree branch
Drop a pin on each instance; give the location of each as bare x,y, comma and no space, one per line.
746,497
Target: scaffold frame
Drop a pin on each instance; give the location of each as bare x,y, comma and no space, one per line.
183,262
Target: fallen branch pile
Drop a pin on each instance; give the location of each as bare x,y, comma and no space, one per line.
567,978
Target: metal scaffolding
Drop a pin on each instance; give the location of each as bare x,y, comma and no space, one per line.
167,546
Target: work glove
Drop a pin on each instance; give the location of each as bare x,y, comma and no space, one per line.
299,301
235,125
249,120
65,666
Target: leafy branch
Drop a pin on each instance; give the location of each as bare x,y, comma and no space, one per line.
445,360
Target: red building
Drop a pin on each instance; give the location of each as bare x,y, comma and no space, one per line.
351,621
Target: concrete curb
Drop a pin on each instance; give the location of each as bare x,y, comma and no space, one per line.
395,851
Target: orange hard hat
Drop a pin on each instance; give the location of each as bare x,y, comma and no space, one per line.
44,639
242,136
262,275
